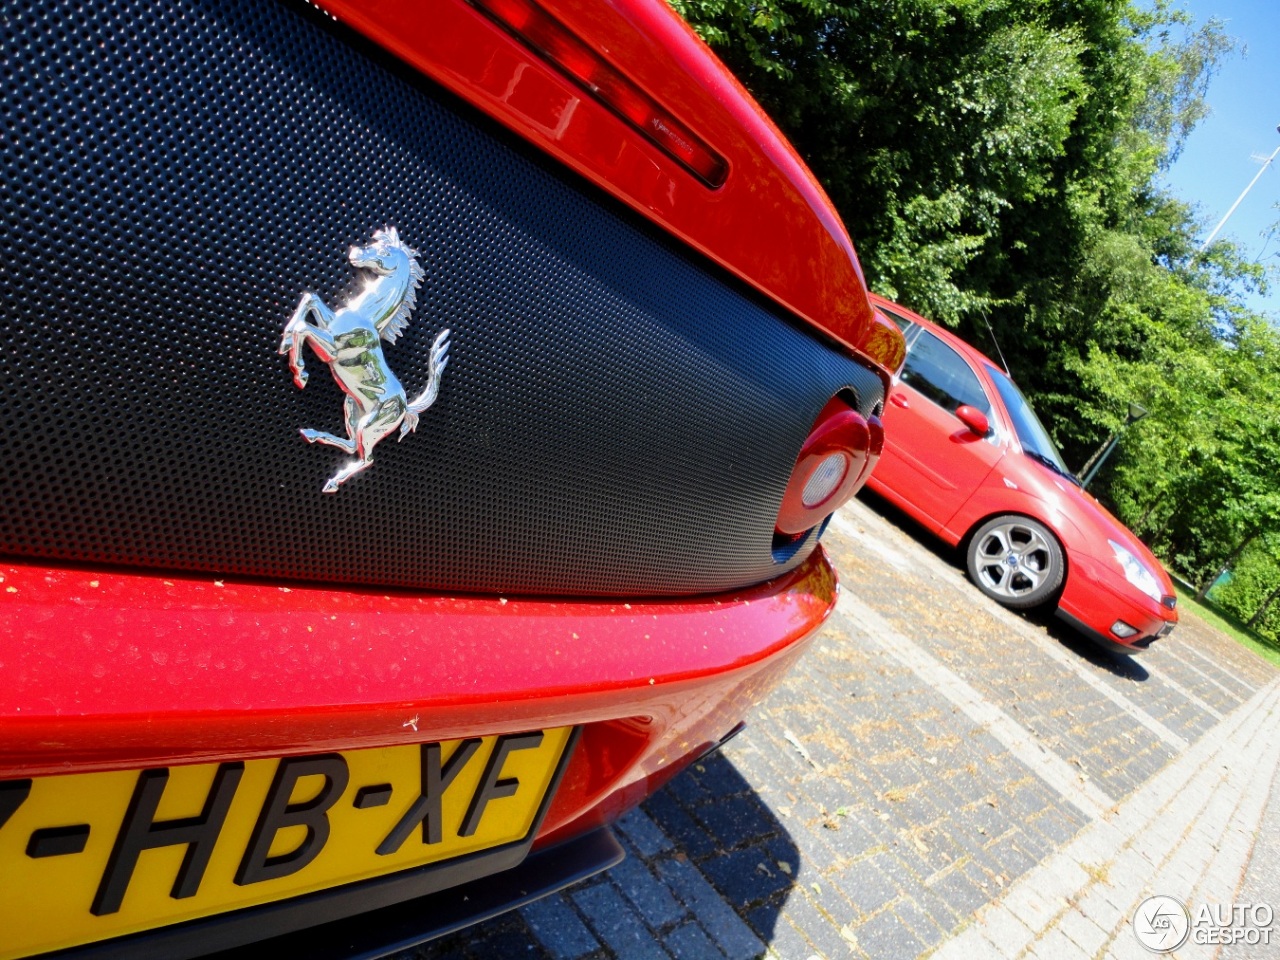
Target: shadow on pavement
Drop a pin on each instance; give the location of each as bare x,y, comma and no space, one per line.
913,528
1117,664
708,870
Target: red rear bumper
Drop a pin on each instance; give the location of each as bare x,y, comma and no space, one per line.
121,670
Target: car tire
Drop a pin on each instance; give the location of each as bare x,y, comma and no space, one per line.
1016,561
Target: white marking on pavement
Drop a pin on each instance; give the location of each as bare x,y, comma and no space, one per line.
1192,667
1077,666
874,544
1015,738
1183,833
1188,648
1049,646
1179,688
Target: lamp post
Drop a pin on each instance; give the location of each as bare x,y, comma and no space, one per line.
1090,470
1204,246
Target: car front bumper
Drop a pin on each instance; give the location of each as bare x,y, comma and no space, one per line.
1094,598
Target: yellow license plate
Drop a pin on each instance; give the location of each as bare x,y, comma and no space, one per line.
84,857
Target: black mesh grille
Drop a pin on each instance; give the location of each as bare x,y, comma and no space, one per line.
174,175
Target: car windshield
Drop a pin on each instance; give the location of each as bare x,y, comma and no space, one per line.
1030,431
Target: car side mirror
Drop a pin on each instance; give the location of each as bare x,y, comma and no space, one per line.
974,419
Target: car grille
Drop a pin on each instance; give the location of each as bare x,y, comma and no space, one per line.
617,416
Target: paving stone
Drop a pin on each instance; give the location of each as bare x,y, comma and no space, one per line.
690,942
920,923
985,817
946,919
784,940
645,835
719,777
455,949
850,838
906,764
1014,862
1032,906
1055,945
835,794
507,941
866,887
647,894
748,876
1056,827
1004,928
941,852
983,869
720,921
558,928
821,926
677,824
734,820
886,936
614,922
960,893
1033,844
1083,932
897,868
688,790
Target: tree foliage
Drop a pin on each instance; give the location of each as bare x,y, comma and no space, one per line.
999,162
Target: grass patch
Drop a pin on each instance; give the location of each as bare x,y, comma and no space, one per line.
1187,603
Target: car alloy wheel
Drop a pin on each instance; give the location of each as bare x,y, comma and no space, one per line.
1016,561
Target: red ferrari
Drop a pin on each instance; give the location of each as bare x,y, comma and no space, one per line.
966,456
421,420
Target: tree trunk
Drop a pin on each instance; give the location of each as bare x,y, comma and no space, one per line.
1253,621
1204,587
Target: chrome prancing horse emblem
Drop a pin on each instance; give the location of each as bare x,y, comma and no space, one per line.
348,341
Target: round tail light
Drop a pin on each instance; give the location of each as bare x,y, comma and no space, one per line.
833,464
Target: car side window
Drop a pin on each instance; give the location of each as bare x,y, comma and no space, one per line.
903,323
941,374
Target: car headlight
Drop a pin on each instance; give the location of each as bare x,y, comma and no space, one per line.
1137,573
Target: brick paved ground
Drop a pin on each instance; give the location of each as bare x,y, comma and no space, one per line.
938,774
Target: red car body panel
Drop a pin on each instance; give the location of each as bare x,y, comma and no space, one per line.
113,670
770,223
931,453
952,481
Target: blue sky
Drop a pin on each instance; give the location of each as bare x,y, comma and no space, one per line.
1217,161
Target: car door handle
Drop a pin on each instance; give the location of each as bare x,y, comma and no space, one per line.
899,400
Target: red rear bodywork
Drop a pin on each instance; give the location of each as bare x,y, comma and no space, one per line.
106,669
770,222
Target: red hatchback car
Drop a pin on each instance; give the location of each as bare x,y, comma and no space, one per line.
966,456
588,362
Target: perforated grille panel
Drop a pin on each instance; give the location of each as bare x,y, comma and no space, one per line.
615,418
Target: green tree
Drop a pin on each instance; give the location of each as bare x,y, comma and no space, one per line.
998,164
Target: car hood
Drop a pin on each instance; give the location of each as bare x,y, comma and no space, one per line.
1094,524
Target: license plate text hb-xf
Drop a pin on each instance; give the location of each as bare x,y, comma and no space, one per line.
88,856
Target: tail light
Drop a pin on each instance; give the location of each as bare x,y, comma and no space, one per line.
833,464
553,40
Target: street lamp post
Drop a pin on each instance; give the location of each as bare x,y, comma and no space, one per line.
1221,223
1090,470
